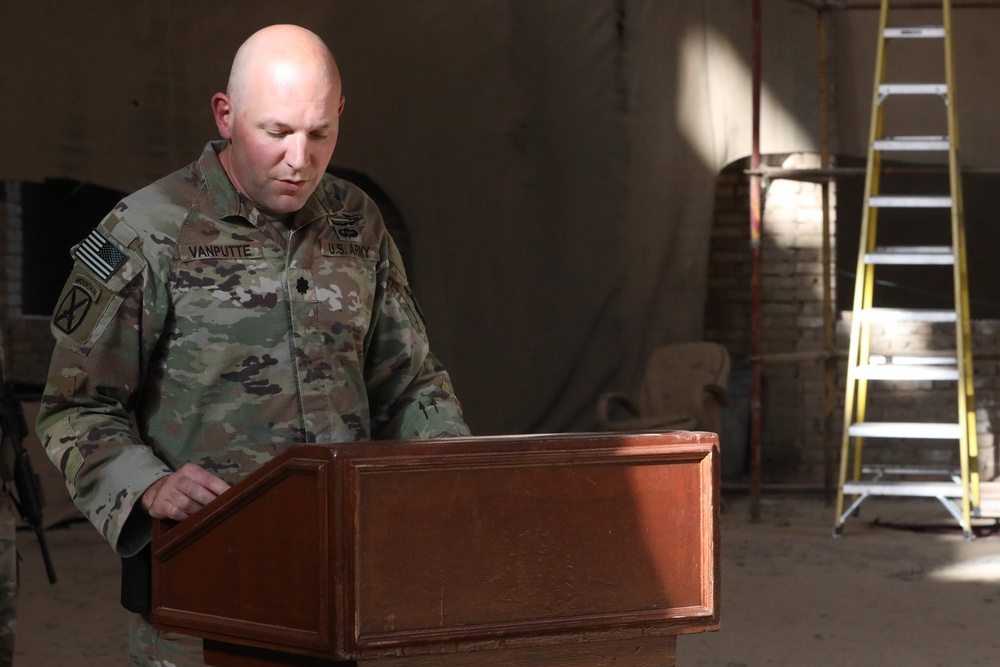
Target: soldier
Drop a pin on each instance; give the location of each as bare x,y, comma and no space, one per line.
8,547
239,306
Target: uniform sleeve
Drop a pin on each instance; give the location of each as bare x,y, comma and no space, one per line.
106,326
409,392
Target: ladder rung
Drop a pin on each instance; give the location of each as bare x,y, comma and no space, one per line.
911,255
922,430
913,360
913,89
915,32
930,143
906,315
883,469
915,489
901,372
906,201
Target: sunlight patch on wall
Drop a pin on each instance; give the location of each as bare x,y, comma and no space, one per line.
714,103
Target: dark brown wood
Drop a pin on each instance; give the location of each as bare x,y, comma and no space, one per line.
224,654
567,549
644,652
256,565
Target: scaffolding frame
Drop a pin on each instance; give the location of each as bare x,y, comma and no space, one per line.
759,175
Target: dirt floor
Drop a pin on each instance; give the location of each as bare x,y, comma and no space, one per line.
880,596
791,595
77,621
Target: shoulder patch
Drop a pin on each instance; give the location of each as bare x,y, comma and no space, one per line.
72,310
100,255
81,306
78,298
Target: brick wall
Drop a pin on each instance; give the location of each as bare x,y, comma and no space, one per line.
11,248
26,338
791,321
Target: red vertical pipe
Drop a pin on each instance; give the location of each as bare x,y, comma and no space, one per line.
755,300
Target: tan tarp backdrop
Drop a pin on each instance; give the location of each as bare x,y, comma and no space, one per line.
554,160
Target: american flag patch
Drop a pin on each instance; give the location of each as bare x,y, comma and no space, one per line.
99,255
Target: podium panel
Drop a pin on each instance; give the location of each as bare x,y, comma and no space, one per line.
256,566
452,550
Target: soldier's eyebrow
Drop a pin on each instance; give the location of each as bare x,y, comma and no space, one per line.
280,124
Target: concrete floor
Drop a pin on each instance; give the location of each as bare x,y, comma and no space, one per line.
791,595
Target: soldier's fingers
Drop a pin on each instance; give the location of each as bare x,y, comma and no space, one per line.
203,478
178,497
167,510
163,507
191,494
187,494
180,494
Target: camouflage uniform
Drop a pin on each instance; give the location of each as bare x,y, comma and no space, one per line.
229,337
8,555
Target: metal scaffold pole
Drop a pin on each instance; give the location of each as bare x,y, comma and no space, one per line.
755,265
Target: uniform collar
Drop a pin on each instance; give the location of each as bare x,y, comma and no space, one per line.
227,202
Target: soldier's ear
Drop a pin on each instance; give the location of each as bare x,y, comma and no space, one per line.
222,111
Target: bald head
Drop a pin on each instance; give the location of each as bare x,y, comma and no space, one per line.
280,117
280,52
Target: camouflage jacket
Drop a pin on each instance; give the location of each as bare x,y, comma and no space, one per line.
227,338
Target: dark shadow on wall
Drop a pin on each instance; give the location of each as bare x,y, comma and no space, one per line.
56,214
921,287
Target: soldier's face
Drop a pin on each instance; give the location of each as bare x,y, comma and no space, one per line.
282,131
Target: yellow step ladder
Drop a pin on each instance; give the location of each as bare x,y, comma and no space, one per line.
957,488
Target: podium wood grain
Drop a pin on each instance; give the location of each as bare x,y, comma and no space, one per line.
542,550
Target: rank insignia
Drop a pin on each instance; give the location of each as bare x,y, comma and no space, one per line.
99,255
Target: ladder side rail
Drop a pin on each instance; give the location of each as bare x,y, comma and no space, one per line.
962,275
966,396
962,324
862,276
864,347
968,384
869,233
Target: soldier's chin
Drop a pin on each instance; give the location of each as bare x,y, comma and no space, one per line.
285,204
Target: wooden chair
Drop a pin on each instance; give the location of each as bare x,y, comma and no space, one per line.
683,388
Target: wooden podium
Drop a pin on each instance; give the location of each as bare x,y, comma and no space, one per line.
569,550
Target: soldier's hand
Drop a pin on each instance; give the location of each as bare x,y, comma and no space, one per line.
179,495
